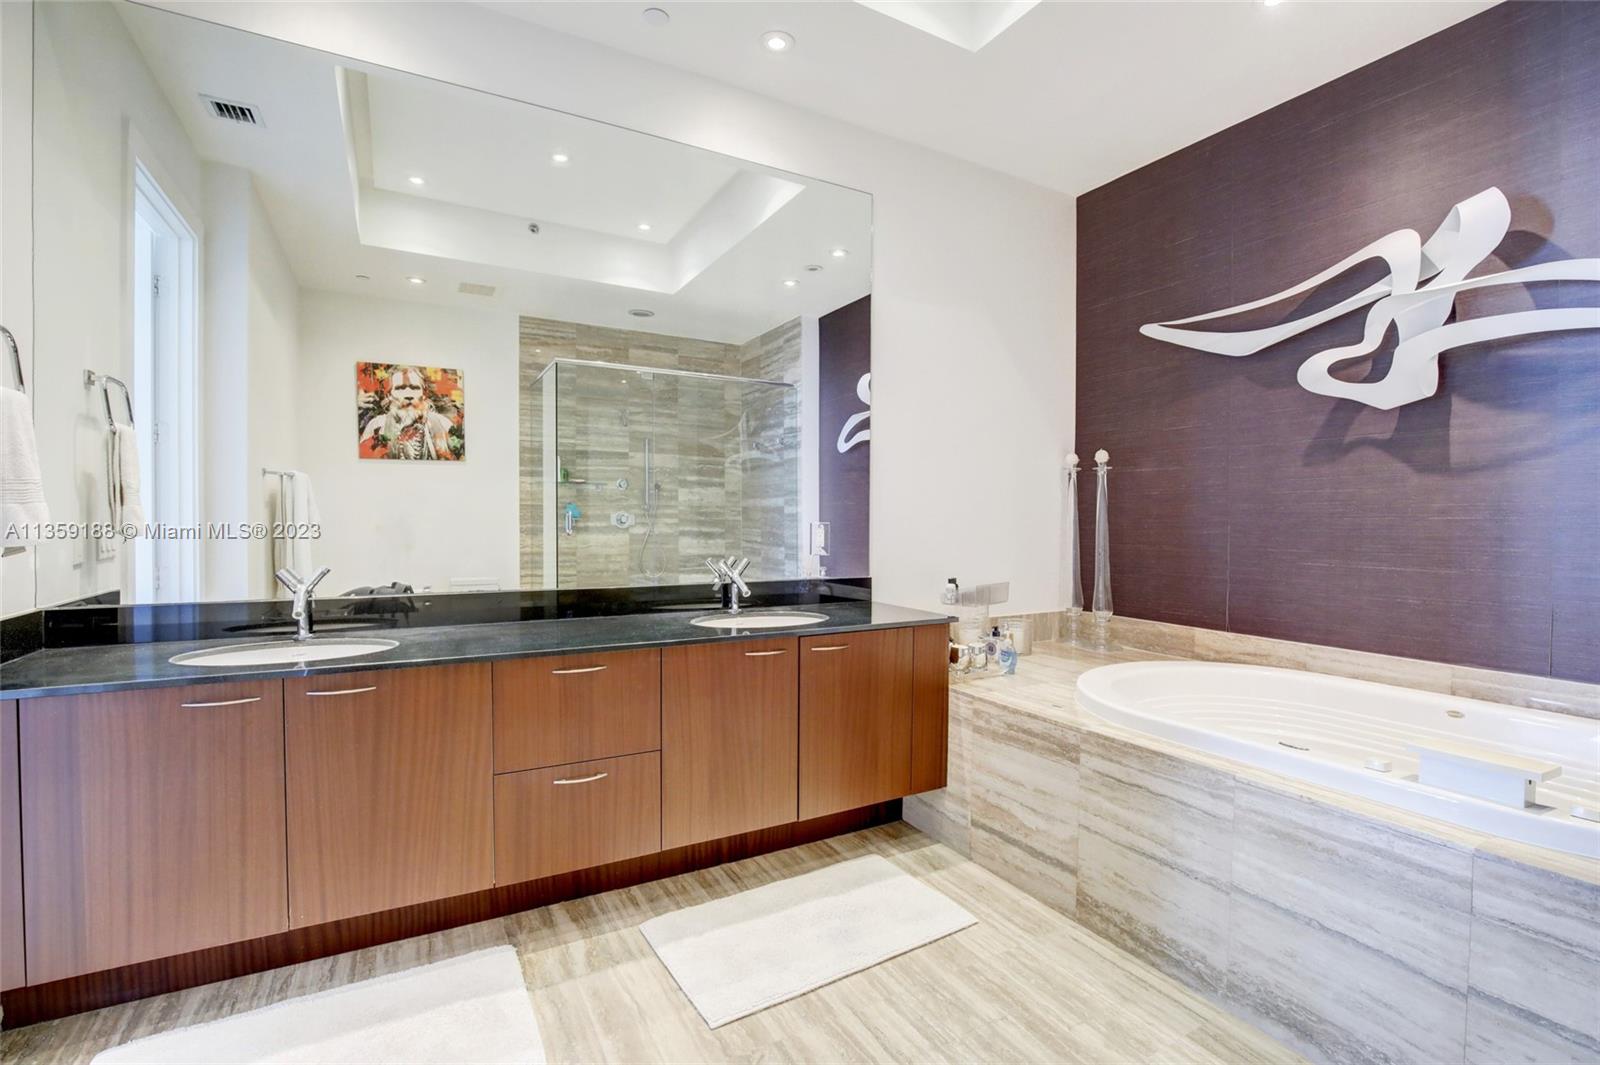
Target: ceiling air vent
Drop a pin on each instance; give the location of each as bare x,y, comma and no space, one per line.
472,288
233,111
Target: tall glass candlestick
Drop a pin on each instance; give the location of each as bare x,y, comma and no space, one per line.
1102,541
1072,561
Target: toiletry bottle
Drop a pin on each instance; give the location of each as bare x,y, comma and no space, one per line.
1008,655
951,596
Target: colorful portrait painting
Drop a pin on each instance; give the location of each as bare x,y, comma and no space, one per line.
410,412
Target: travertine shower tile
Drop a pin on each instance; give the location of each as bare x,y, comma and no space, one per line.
1534,991
1154,850
1349,934
1024,803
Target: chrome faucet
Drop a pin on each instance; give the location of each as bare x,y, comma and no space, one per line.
728,579
301,590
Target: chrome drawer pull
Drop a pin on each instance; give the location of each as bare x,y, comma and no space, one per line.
347,691
582,780
582,669
835,647
763,654
221,702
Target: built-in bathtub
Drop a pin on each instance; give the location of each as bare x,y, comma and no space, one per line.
1332,731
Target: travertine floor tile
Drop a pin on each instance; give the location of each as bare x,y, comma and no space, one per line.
1024,984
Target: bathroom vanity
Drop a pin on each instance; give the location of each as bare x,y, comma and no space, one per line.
295,812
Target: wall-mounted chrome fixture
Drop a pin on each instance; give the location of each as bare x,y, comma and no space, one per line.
1102,543
16,358
106,383
1416,298
1072,555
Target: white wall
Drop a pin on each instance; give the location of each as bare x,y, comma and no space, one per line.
251,414
93,94
417,522
16,241
972,278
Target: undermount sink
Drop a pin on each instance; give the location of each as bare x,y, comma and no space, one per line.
280,652
759,619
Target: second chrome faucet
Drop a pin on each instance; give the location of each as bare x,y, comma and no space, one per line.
301,590
728,579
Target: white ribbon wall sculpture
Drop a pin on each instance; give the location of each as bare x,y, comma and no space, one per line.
1416,297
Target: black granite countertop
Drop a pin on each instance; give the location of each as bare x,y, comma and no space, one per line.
129,666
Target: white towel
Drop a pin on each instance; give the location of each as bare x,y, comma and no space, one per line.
297,508
21,488
122,477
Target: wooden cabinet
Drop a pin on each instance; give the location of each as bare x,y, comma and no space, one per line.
855,720
573,708
146,824
930,706
549,821
13,971
729,738
389,789
152,824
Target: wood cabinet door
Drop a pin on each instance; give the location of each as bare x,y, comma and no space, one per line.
930,706
152,824
549,821
572,708
389,789
13,971
855,720
729,738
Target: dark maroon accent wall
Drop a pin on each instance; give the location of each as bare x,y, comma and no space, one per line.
844,353
1464,528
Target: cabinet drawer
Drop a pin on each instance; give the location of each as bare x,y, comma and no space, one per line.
389,797
855,720
152,824
576,708
729,735
549,821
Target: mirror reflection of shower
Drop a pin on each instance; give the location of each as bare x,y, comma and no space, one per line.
715,458
652,489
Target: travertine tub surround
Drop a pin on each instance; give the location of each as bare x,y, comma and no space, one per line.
1349,930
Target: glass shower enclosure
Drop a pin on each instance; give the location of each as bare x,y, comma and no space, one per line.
643,473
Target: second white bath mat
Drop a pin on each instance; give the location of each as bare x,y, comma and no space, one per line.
473,1008
739,955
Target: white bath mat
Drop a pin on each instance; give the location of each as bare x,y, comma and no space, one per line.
738,955
474,1008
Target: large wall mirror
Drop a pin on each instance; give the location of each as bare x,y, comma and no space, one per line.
292,309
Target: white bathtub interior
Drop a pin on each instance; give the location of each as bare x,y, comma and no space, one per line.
1359,737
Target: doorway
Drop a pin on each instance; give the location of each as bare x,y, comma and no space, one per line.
165,568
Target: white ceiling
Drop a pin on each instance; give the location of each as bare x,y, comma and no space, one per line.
1069,96
339,142
474,149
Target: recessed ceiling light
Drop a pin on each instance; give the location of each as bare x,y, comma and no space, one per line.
416,179
655,16
813,268
789,282
777,41
644,227
363,277
417,280
1271,3
839,253
560,158
640,312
